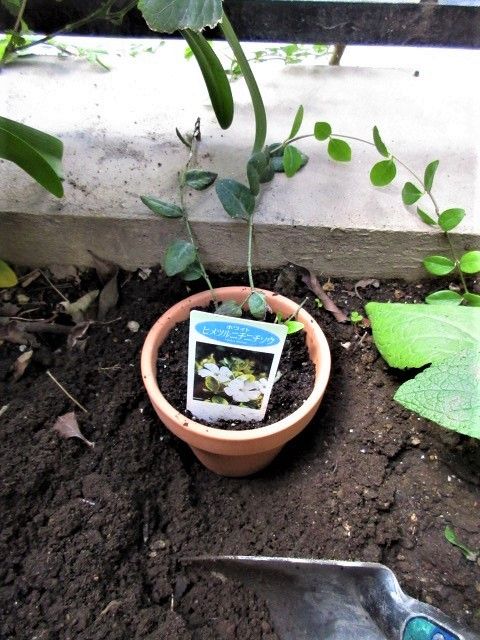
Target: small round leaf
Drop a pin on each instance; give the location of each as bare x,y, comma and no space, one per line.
192,272
383,173
444,297
430,174
236,198
257,305
425,217
164,209
470,262
450,218
339,150
322,130
297,122
178,256
292,161
438,265
472,299
410,193
381,148
200,180
293,326
229,308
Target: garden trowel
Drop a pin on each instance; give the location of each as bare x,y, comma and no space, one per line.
332,600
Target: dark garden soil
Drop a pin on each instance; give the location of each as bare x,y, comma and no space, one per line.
92,540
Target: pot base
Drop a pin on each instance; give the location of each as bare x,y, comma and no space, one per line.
235,466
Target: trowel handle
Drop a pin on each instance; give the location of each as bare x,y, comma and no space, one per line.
420,628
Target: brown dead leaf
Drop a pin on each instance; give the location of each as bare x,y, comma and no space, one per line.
328,286
12,332
29,278
107,273
363,284
9,309
67,427
20,364
310,279
78,333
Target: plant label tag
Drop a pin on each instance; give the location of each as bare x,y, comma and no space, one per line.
232,365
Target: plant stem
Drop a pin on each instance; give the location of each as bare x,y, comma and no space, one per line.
18,21
249,252
411,172
100,13
188,226
256,96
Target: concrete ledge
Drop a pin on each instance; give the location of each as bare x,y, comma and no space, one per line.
118,130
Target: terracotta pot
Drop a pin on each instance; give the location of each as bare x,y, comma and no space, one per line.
235,453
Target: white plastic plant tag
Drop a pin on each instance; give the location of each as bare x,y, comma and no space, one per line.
232,364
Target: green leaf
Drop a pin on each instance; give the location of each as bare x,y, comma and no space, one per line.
236,198
37,153
430,174
425,217
383,173
413,335
276,149
178,256
7,276
164,209
214,75
339,150
257,167
381,148
444,297
297,122
451,537
473,299
200,180
292,161
192,272
212,384
447,392
12,6
450,218
219,400
167,16
278,162
410,193
229,308
322,130
470,262
257,305
438,265
293,326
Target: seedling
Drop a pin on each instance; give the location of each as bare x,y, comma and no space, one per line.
451,537
355,317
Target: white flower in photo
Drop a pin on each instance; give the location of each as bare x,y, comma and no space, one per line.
263,384
243,390
211,370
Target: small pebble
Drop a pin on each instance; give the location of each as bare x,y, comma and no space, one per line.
133,326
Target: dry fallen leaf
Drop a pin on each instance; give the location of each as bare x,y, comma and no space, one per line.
67,427
107,273
12,332
20,364
310,279
29,278
363,284
78,333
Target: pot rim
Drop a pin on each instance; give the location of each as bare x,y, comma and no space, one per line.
170,319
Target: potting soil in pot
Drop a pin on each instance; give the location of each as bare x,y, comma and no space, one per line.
92,540
292,388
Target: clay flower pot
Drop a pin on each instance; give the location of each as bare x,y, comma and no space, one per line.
234,453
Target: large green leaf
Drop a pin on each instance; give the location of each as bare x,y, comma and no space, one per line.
167,16
410,193
200,180
339,150
292,161
413,335
297,122
430,174
378,142
178,256
257,169
37,153
448,393
236,198
257,305
438,265
214,75
470,262
450,218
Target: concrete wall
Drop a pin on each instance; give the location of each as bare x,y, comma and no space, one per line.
118,129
